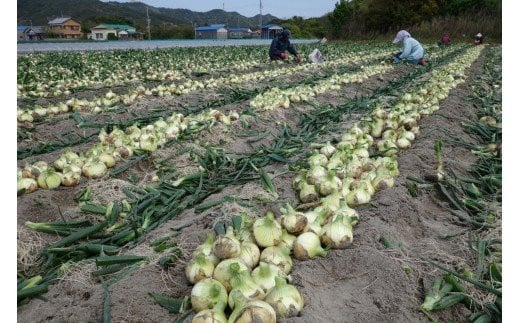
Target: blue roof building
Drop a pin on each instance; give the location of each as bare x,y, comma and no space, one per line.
211,32
270,31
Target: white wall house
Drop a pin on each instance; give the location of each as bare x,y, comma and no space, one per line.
101,32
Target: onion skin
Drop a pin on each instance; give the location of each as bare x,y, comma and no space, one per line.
278,256
294,222
70,179
28,184
214,315
249,253
206,294
199,268
248,311
285,299
336,234
49,179
267,231
222,272
308,246
227,246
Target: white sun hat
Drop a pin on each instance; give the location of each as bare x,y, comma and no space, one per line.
401,35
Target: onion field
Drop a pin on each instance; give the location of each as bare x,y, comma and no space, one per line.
208,184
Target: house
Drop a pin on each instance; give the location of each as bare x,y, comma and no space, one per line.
101,32
211,32
256,33
270,31
21,32
239,32
65,27
30,33
35,32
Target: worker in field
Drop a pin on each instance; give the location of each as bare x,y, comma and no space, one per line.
445,40
280,44
413,51
479,39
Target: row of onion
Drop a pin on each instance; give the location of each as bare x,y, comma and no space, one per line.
247,270
276,98
110,99
132,67
68,169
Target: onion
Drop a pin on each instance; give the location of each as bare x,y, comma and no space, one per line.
350,216
207,248
107,159
148,142
382,181
28,185
206,294
287,239
34,170
300,179
318,159
328,149
264,275
329,184
49,179
278,256
307,193
247,311
199,268
94,168
316,174
292,221
336,160
330,203
222,271
387,147
242,282
403,143
125,151
377,127
70,178
214,315
227,246
308,246
337,234
60,163
285,299
249,253
358,197
267,231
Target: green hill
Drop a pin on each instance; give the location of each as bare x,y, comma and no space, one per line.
92,12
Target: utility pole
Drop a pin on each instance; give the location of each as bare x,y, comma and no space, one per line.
148,23
260,18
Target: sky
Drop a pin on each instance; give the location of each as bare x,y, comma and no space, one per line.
249,8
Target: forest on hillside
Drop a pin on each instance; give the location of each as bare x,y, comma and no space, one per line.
428,18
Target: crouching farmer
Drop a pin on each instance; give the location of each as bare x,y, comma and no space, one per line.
281,44
412,52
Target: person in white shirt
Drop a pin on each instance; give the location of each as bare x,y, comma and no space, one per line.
413,51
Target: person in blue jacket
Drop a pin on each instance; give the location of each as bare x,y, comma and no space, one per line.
412,52
280,44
